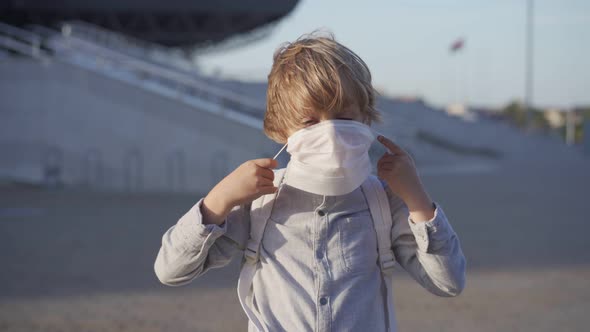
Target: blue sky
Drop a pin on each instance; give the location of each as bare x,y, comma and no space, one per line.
405,44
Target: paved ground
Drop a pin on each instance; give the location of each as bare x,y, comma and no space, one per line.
75,261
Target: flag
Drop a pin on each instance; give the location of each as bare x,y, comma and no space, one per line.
457,45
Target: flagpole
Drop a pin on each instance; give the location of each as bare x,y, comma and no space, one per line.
528,94
456,46
455,79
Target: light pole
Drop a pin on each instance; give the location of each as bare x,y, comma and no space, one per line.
528,89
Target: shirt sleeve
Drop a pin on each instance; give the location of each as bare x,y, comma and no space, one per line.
433,234
191,247
429,251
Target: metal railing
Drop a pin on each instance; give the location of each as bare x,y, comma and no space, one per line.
144,50
132,67
21,41
185,83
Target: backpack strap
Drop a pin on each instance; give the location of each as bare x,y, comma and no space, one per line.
260,212
379,207
382,220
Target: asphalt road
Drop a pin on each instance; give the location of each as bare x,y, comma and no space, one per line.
81,261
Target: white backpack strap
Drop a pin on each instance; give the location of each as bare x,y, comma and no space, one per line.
260,212
379,207
381,215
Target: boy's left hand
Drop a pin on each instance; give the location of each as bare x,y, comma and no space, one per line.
399,171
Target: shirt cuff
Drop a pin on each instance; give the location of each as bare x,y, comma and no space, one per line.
193,232
208,228
435,206
429,233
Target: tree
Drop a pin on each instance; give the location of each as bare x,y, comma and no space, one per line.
515,112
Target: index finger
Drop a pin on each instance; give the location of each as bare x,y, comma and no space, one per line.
394,148
266,162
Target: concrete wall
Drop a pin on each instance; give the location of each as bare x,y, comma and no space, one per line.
62,123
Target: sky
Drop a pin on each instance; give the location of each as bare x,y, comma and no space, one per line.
406,46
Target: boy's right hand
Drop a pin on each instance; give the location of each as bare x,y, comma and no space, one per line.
246,183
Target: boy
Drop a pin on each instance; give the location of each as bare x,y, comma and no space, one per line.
318,267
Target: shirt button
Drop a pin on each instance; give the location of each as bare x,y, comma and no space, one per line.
323,301
321,213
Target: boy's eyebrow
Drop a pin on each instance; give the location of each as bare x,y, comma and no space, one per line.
344,115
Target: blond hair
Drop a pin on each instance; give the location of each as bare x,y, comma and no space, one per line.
315,75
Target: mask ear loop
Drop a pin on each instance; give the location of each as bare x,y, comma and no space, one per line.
275,157
281,150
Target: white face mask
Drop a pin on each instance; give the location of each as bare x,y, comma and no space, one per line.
329,158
